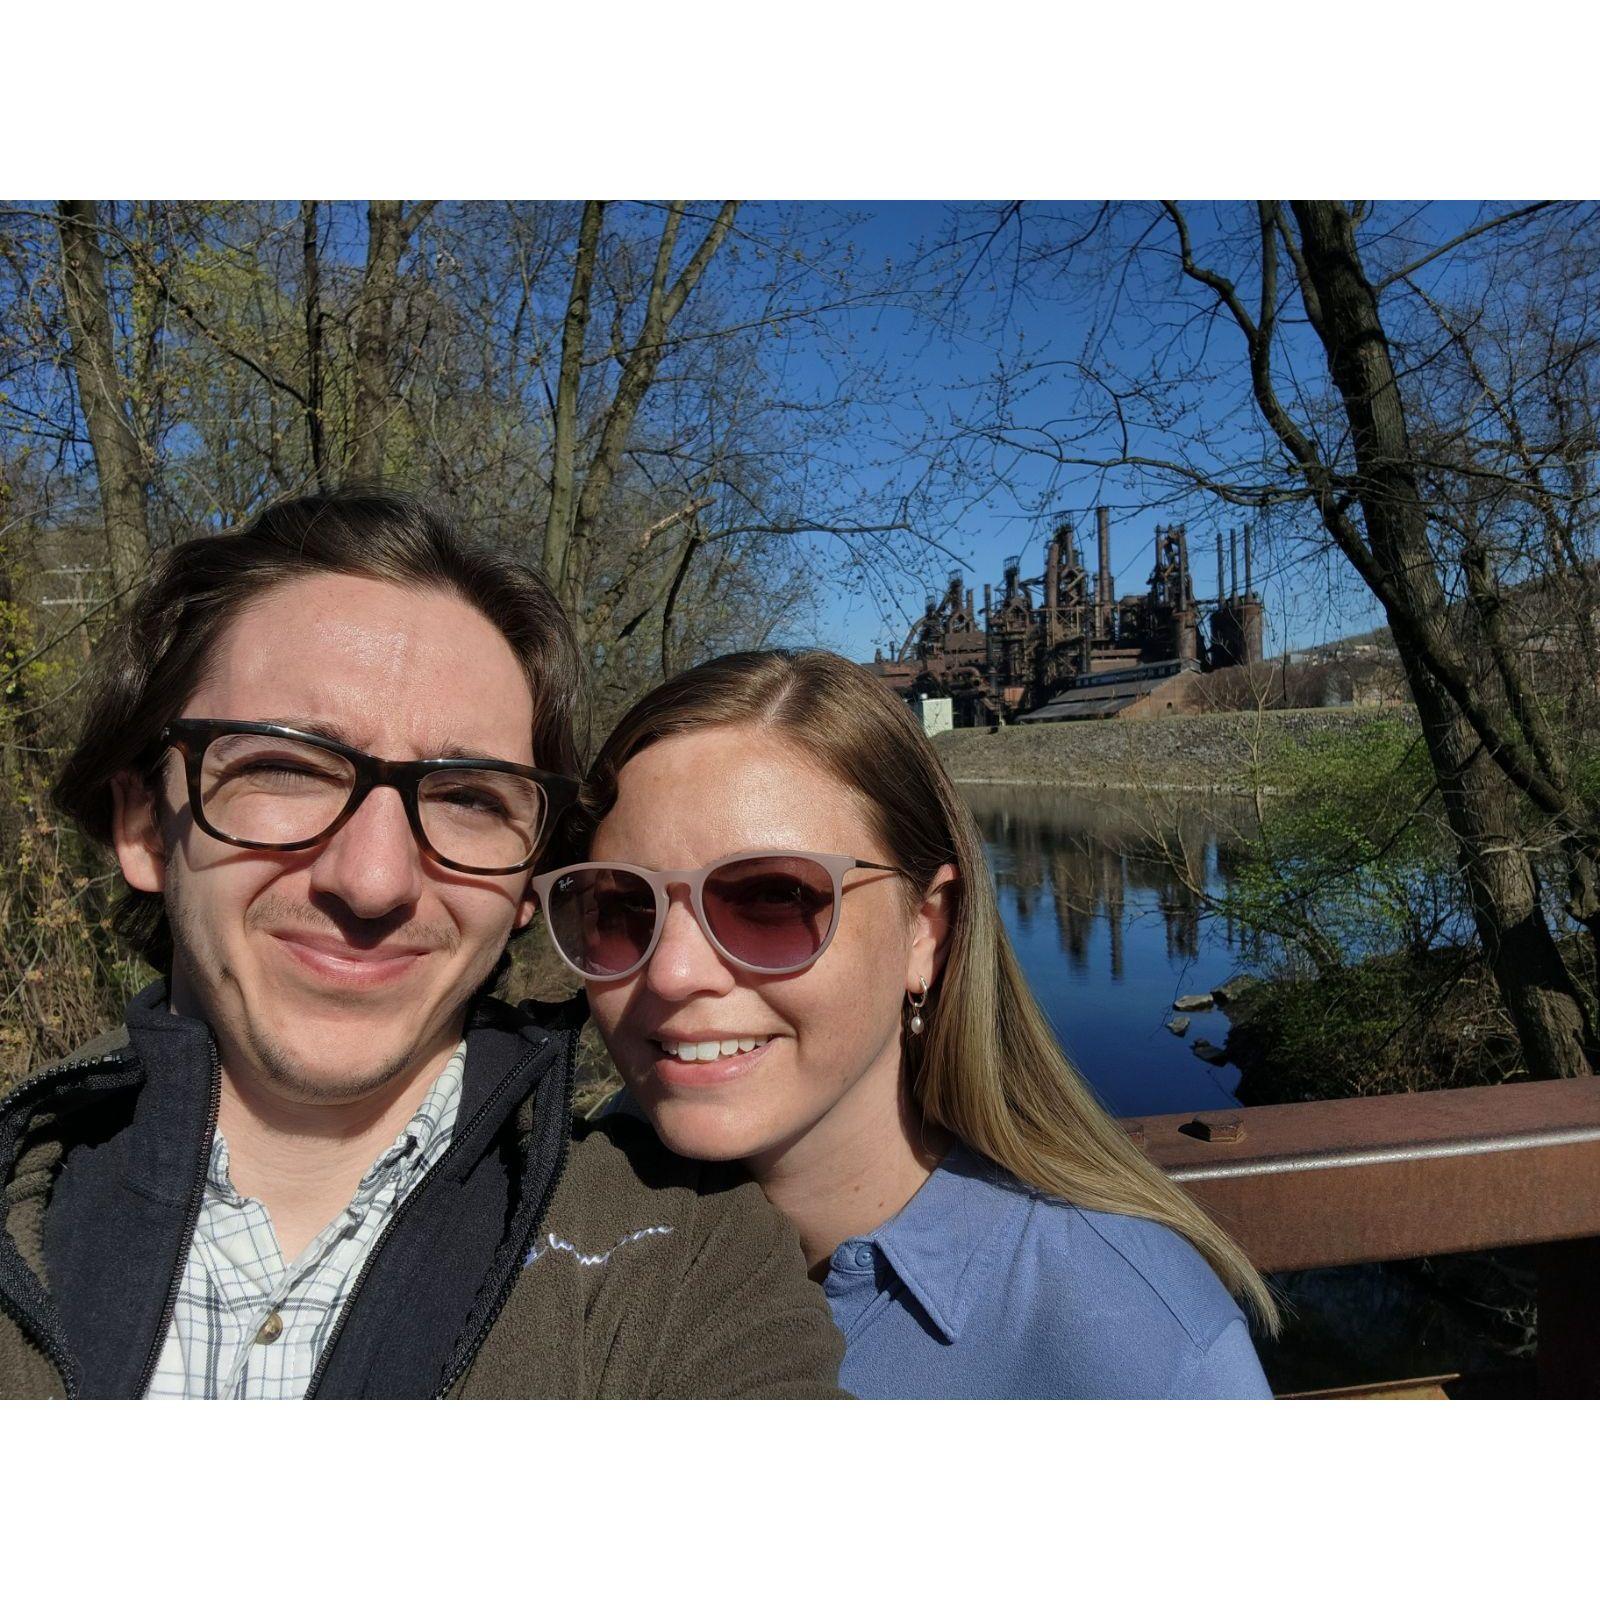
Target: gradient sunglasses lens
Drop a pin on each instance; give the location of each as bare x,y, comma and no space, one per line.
771,913
602,919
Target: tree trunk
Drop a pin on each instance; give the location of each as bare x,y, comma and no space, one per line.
564,447
1546,1008
691,545
571,526
389,231
119,462
639,370
315,427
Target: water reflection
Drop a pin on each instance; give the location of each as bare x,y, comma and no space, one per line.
1105,900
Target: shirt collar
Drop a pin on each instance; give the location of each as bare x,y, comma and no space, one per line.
426,1136
940,1241
420,1143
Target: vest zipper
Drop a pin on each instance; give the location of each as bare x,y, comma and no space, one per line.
41,1332
196,1199
459,1367
389,1227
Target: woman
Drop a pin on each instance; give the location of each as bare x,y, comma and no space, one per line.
790,940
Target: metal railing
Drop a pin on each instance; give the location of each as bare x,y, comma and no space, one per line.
1337,1182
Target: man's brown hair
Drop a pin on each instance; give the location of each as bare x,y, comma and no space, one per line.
149,665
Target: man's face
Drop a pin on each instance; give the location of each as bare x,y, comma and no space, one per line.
329,972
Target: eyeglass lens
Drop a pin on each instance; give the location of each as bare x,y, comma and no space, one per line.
770,913
276,792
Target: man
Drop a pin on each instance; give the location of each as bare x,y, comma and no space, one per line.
319,1161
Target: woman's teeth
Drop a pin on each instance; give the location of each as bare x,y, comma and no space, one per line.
710,1049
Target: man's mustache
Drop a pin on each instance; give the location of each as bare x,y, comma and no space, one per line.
332,919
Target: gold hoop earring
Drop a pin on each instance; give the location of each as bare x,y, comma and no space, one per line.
918,1001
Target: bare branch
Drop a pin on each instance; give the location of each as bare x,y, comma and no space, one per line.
1459,240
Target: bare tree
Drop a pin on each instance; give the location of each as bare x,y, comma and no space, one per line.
575,513
1319,369
119,458
611,388
561,517
1390,548
316,426
390,229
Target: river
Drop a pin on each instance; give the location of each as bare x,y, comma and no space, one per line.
1110,930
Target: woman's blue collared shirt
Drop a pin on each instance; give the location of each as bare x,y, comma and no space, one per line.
982,1289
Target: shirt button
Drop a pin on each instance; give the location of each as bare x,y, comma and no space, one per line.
270,1329
863,1255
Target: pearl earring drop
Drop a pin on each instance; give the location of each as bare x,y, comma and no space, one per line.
914,1021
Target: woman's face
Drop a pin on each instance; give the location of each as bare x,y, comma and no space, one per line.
831,1058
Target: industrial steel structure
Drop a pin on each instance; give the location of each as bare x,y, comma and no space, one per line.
1062,646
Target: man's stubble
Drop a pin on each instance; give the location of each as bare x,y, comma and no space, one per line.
307,1082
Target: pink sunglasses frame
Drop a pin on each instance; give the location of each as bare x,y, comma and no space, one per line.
694,878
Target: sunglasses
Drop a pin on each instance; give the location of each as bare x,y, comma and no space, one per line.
764,911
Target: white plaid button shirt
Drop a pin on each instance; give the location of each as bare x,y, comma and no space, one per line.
236,1288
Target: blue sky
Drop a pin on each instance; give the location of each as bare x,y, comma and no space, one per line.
1308,601
998,526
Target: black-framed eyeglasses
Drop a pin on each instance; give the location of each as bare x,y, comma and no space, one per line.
266,787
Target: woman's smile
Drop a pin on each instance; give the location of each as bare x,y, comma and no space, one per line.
707,1063
709,1047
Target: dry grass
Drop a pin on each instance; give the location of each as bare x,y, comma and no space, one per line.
537,973
63,977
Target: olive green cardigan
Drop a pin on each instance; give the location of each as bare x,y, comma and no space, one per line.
656,1277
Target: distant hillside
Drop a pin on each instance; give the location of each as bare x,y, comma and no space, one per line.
1374,639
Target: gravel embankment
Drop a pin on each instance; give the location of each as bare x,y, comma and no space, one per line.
1208,753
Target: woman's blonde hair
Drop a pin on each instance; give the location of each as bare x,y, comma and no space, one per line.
986,1066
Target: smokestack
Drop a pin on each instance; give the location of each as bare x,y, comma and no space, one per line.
1233,563
988,623
1219,566
1247,585
1102,589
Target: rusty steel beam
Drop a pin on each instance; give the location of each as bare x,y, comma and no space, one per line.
1435,1388
1335,1182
